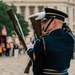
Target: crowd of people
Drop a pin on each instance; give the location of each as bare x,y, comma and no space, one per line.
10,49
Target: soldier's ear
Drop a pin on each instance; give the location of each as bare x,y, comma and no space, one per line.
54,23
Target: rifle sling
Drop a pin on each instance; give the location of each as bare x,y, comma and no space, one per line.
44,46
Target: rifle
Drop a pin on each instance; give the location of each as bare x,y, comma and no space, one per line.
19,31
37,28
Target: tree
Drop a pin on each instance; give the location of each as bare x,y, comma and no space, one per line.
5,20
23,23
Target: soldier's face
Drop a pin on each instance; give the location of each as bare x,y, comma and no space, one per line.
44,25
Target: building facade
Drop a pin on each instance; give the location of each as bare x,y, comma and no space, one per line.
28,7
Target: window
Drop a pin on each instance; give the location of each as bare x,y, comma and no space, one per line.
31,8
67,9
73,27
40,8
22,10
73,14
55,7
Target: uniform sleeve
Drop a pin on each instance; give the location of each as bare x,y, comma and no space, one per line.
30,53
38,57
71,36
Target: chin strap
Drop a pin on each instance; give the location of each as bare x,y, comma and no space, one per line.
44,31
49,24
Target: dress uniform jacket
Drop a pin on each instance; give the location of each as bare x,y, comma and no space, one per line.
55,60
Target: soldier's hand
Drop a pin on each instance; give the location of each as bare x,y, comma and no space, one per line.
38,16
29,51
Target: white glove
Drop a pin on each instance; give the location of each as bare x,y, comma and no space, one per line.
30,46
38,16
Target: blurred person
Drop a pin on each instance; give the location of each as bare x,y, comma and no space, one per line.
11,48
3,49
0,50
7,49
4,34
20,48
16,50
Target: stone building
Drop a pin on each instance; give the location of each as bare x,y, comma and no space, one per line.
28,7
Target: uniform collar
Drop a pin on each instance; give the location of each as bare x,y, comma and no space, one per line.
58,31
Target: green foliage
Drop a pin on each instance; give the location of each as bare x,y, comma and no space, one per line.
3,16
5,20
23,24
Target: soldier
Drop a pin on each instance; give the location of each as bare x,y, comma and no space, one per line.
53,51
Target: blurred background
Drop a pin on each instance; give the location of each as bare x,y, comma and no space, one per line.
25,8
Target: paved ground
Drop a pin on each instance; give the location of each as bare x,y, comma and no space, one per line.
72,68
12,66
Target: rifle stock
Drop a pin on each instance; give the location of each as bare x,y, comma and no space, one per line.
13,18
27,69
36,26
